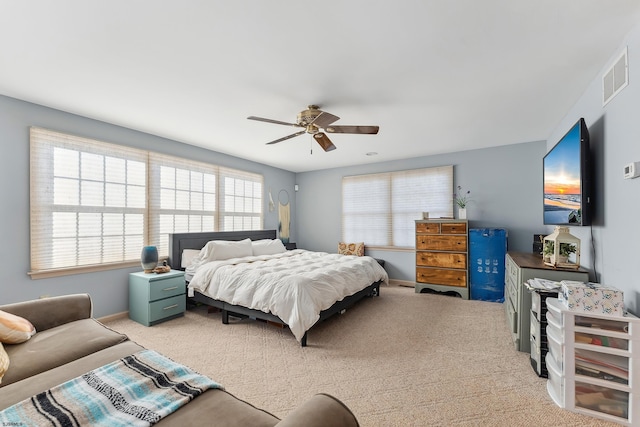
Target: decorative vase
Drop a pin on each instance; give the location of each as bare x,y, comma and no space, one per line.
462,213
149,258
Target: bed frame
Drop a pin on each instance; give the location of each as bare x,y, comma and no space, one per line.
178,242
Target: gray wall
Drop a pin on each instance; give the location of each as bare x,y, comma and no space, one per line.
505,182
506,192
109,289
615,141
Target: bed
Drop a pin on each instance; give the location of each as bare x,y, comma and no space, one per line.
361,276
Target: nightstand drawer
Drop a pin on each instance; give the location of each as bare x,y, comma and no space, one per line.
165,308
164,288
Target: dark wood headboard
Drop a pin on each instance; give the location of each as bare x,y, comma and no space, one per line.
181,241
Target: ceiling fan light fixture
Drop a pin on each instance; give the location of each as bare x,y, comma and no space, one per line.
307,116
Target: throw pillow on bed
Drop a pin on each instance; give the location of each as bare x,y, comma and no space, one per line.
356,249
4,362
217,250
14,329
268,247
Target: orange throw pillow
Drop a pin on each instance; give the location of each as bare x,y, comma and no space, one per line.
14,329
4,362
356,249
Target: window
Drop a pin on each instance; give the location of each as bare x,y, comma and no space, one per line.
241,201
95,204
380,209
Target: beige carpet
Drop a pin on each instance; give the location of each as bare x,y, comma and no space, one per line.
402,359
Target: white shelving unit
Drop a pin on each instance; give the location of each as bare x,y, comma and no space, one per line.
594,363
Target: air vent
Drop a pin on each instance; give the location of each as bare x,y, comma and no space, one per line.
615,78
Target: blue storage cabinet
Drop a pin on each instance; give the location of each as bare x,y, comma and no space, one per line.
487,252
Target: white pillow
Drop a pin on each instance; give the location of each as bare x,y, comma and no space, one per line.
217,250
187,257
268,247
15,329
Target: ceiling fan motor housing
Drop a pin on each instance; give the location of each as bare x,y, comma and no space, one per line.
307,116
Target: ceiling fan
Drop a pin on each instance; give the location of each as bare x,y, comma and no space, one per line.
317,123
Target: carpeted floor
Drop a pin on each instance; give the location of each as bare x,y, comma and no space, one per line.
402,359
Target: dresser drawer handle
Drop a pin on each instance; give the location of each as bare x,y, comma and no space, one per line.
170,307
170,289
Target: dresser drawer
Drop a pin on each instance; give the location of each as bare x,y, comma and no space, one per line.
511,271
164,288
536,330
512,293
454,228
441,259
512,317
439,276
159,310
441,243
428,227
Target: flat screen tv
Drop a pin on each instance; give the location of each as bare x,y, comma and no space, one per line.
566,177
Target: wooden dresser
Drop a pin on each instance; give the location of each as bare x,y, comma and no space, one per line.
442,256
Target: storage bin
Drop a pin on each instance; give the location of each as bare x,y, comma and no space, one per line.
592,298
487,252
602,399
556,347
554,315
555,383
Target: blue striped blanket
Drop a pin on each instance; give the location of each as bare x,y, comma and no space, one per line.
137,390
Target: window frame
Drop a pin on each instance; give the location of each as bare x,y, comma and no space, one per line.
386,220
43,143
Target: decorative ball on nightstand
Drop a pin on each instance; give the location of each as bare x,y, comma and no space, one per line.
149,258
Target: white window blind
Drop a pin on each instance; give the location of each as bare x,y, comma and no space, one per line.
188,196
380,209
241,200
88,201
182,198
95,203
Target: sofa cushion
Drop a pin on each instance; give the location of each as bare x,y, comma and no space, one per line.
56,346
4,362
221,406
14,329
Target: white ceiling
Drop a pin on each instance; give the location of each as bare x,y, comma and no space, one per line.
436,75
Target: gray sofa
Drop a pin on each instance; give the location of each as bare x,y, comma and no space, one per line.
69,343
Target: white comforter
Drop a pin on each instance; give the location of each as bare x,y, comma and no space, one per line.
295,285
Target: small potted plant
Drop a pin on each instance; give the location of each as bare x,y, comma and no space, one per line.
547,250
565,250
461,198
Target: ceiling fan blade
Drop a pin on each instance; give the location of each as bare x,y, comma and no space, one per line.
324,119
370,130
324,141
287,137
277,122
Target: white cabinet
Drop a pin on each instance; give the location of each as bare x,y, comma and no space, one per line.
594,363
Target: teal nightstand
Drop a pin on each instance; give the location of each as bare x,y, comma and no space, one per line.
154,298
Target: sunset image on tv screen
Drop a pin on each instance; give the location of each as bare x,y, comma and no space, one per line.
562,180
